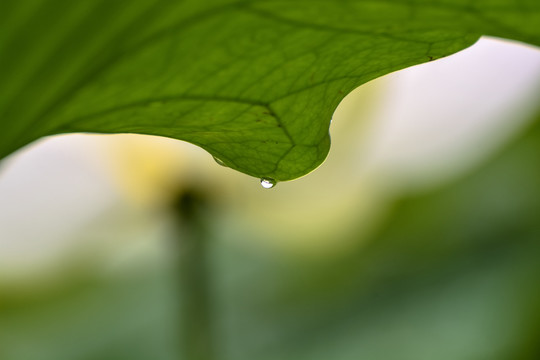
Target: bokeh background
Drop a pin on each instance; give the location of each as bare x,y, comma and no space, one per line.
418,238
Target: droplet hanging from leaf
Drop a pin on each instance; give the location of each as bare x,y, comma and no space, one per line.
268,183
219,161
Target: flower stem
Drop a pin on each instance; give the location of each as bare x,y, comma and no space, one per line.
196,328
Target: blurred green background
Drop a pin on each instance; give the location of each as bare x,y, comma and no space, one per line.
180,258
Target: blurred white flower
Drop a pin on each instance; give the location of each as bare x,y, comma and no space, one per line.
413,128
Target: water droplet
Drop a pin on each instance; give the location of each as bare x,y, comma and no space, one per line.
219,161
268,183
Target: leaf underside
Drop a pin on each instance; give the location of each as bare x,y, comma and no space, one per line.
254,83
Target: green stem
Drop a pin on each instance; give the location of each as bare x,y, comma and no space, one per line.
196,335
